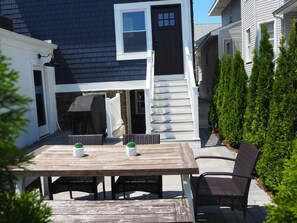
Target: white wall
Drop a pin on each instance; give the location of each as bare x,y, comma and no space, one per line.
23,52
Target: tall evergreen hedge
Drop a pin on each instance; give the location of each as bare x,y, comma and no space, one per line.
235,101
222,91
258,109
213,113
282,122
249,115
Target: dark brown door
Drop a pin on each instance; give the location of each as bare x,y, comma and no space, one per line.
167,39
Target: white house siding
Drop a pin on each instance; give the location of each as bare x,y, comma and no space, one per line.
23,52
248,22
288,18
232,10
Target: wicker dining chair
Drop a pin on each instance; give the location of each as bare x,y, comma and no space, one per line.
152,184
214,188
85,184
33,183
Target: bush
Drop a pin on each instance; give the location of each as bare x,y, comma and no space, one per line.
285,206
25,207
263,75
213,113
282,121
235,101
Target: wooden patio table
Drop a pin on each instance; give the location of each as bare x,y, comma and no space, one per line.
111,160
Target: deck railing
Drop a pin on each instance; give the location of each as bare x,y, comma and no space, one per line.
149,90
192,89
113,114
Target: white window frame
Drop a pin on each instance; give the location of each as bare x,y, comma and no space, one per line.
260,35
248,45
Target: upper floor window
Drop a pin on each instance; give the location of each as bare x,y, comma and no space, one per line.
270,29
228,47
131,31
248,45
134,33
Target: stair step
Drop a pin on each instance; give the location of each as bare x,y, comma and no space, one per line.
169,77
171,109
171,117
171,102
172,125
175,134
170,83
176,95
181,88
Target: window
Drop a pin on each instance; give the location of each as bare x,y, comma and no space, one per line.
248,45
270,29
228,47
131,31
134,34
166,20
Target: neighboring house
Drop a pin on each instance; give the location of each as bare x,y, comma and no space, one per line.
35,81
140,49
206,49
276,14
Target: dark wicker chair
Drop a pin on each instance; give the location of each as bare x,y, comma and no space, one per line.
152,184
229,191
85,184
33,183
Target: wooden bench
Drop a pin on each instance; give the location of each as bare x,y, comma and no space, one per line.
157,210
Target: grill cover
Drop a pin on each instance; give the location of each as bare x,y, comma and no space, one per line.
87,115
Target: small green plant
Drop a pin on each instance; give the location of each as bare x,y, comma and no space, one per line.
78,145
131,144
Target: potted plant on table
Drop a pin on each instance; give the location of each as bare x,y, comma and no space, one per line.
131,149
78,150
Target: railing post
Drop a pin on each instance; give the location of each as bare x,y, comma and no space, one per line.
195,111
108,117
147,98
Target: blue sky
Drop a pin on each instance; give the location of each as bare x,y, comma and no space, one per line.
201,8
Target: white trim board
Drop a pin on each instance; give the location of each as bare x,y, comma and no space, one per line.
101,86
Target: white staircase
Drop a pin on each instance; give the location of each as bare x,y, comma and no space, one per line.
171,112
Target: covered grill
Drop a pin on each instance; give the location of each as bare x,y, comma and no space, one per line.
87,115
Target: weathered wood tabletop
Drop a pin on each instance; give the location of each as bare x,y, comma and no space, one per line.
111,160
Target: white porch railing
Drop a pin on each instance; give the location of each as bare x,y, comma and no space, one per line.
193,90
149,90
113,114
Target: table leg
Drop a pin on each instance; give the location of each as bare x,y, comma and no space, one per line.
188,193
20,185
45,186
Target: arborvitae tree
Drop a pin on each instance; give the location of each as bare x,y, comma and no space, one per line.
236,101
282,122
223,88
249,115
13,207
285,205
212,114
263,91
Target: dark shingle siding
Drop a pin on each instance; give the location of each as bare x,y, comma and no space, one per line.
84,32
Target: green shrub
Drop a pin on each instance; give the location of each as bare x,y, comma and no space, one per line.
213,113
285,205
25,207
235,101
249,125
282,121
222,91
264,71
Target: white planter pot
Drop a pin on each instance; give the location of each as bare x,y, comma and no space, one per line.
78,152
131,151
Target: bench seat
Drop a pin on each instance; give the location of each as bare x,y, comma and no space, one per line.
155,210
